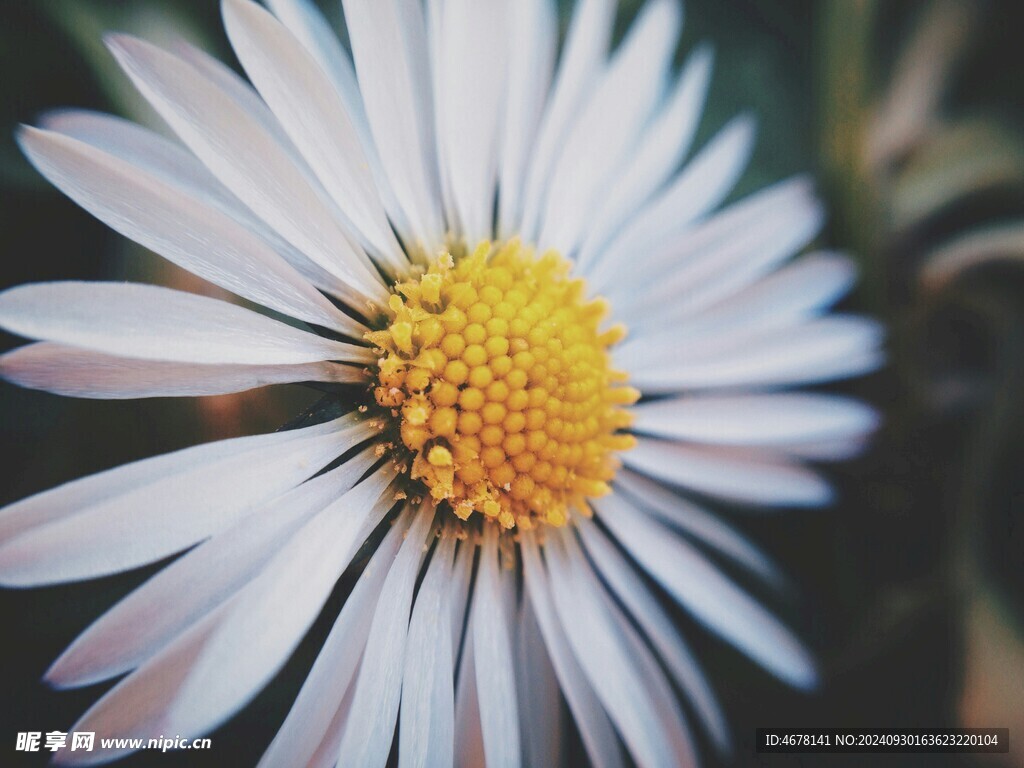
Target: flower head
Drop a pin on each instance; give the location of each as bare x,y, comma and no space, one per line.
487,261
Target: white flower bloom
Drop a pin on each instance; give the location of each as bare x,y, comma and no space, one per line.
427,217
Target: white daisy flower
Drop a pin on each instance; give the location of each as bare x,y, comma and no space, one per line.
545,353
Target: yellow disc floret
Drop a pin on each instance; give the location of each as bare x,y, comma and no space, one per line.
498,374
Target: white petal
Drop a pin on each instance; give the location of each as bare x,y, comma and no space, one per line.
661,149
311,111
744,476
586,45
153,323
370,729
473,61
710,596
701,244
821,350
651,675
80,373
760,420
390,50
426,735
176,166
495,673
183,228
469,737
532,41
246,158
270,615
462,576
314,717
138,626
699,188
141,512
609,124
608,660
596,729
697,523
658,626
540,702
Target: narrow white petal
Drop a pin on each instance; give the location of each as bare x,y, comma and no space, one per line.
153,323
272,613
462,576
697,523
136,514
759,420
532,41
658,626
314,116
700,187
426,735
609,124
711,597
586,45
77,372
595,727
469,737
318,715
540,701
661,149
608,660
473,62
138,626
651,675
495,673
821,350
246,158
183,228
745,476
370,729
176,166
390,50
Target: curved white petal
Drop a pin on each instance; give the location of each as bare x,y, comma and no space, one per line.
494,665
247,159
390,51
707,594
183,228
540,701
471,82
145,621
699,188
312,730
596,729
772,420
608,660
75,372
582,59
825,349
141,512
272,612
658,154
370,728
426,735
469,737
745,476
697,523
153,323
658,626
609,124
313,114
532,42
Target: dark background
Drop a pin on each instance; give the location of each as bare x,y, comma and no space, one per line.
911,589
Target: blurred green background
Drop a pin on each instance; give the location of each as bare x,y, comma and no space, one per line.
911,590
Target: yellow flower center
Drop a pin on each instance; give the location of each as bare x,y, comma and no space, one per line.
498,376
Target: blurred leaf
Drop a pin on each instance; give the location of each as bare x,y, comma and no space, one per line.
966,158
1004,242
